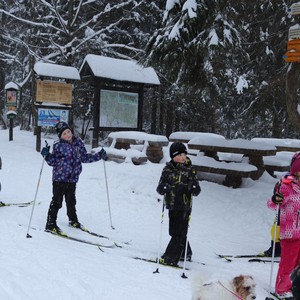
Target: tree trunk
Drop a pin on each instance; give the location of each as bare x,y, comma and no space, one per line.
292,84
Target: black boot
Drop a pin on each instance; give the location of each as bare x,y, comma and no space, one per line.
269,252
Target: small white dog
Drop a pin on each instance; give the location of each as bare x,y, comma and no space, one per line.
241,287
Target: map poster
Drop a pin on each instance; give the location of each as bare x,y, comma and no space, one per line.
49,117
118,109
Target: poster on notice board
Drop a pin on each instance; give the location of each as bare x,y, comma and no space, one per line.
49,117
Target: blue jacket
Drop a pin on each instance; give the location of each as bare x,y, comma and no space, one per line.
66,159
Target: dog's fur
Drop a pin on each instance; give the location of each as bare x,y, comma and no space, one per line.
243,286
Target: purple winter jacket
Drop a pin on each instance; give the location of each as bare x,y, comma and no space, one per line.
66,159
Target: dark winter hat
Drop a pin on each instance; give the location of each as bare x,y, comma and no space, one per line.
295,167
177,148
61,127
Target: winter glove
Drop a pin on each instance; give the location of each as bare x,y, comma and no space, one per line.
163,189
277,198
166,189
194,188
45,151
102,154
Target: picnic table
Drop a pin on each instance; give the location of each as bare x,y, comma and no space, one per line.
140,146
186,136
291,145
254,151
285,150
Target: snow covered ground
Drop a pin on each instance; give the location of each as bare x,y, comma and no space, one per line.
224,220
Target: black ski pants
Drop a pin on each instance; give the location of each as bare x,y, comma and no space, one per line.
61,190
178,228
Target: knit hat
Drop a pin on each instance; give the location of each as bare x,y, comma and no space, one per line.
295,167
177,148
61,127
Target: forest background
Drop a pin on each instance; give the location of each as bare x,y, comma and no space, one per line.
220,62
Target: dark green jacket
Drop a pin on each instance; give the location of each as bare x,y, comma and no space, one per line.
178,183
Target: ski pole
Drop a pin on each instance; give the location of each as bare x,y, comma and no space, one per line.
160,235
107,193
273,253
36,192
185,249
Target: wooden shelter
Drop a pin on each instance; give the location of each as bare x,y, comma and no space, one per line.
118,92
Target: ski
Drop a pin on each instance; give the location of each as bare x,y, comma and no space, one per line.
154,261
273,295
116,243
242,256
19,204
68,237
262,260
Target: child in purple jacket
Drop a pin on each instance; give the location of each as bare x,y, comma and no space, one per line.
68,154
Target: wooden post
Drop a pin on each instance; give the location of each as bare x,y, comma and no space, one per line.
38,138
96,116
11,128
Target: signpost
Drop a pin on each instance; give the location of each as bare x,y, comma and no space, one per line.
11,101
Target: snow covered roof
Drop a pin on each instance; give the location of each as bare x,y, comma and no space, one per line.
118,69
11,85
53,70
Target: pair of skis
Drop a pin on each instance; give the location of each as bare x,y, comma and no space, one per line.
110,243
260,257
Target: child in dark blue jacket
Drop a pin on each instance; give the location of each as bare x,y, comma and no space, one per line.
68,154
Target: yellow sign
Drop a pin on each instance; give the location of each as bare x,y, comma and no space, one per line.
53,92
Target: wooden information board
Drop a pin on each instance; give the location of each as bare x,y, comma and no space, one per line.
53,92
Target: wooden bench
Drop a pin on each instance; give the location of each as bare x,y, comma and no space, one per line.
149,146
234,172
121,155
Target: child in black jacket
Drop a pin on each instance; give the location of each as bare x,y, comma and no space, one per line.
178,183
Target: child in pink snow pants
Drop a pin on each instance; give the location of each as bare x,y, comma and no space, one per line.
289,229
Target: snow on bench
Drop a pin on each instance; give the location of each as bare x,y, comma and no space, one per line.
234,171
137,146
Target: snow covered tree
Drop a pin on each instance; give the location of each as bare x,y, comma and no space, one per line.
223,60
64,32
199,51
